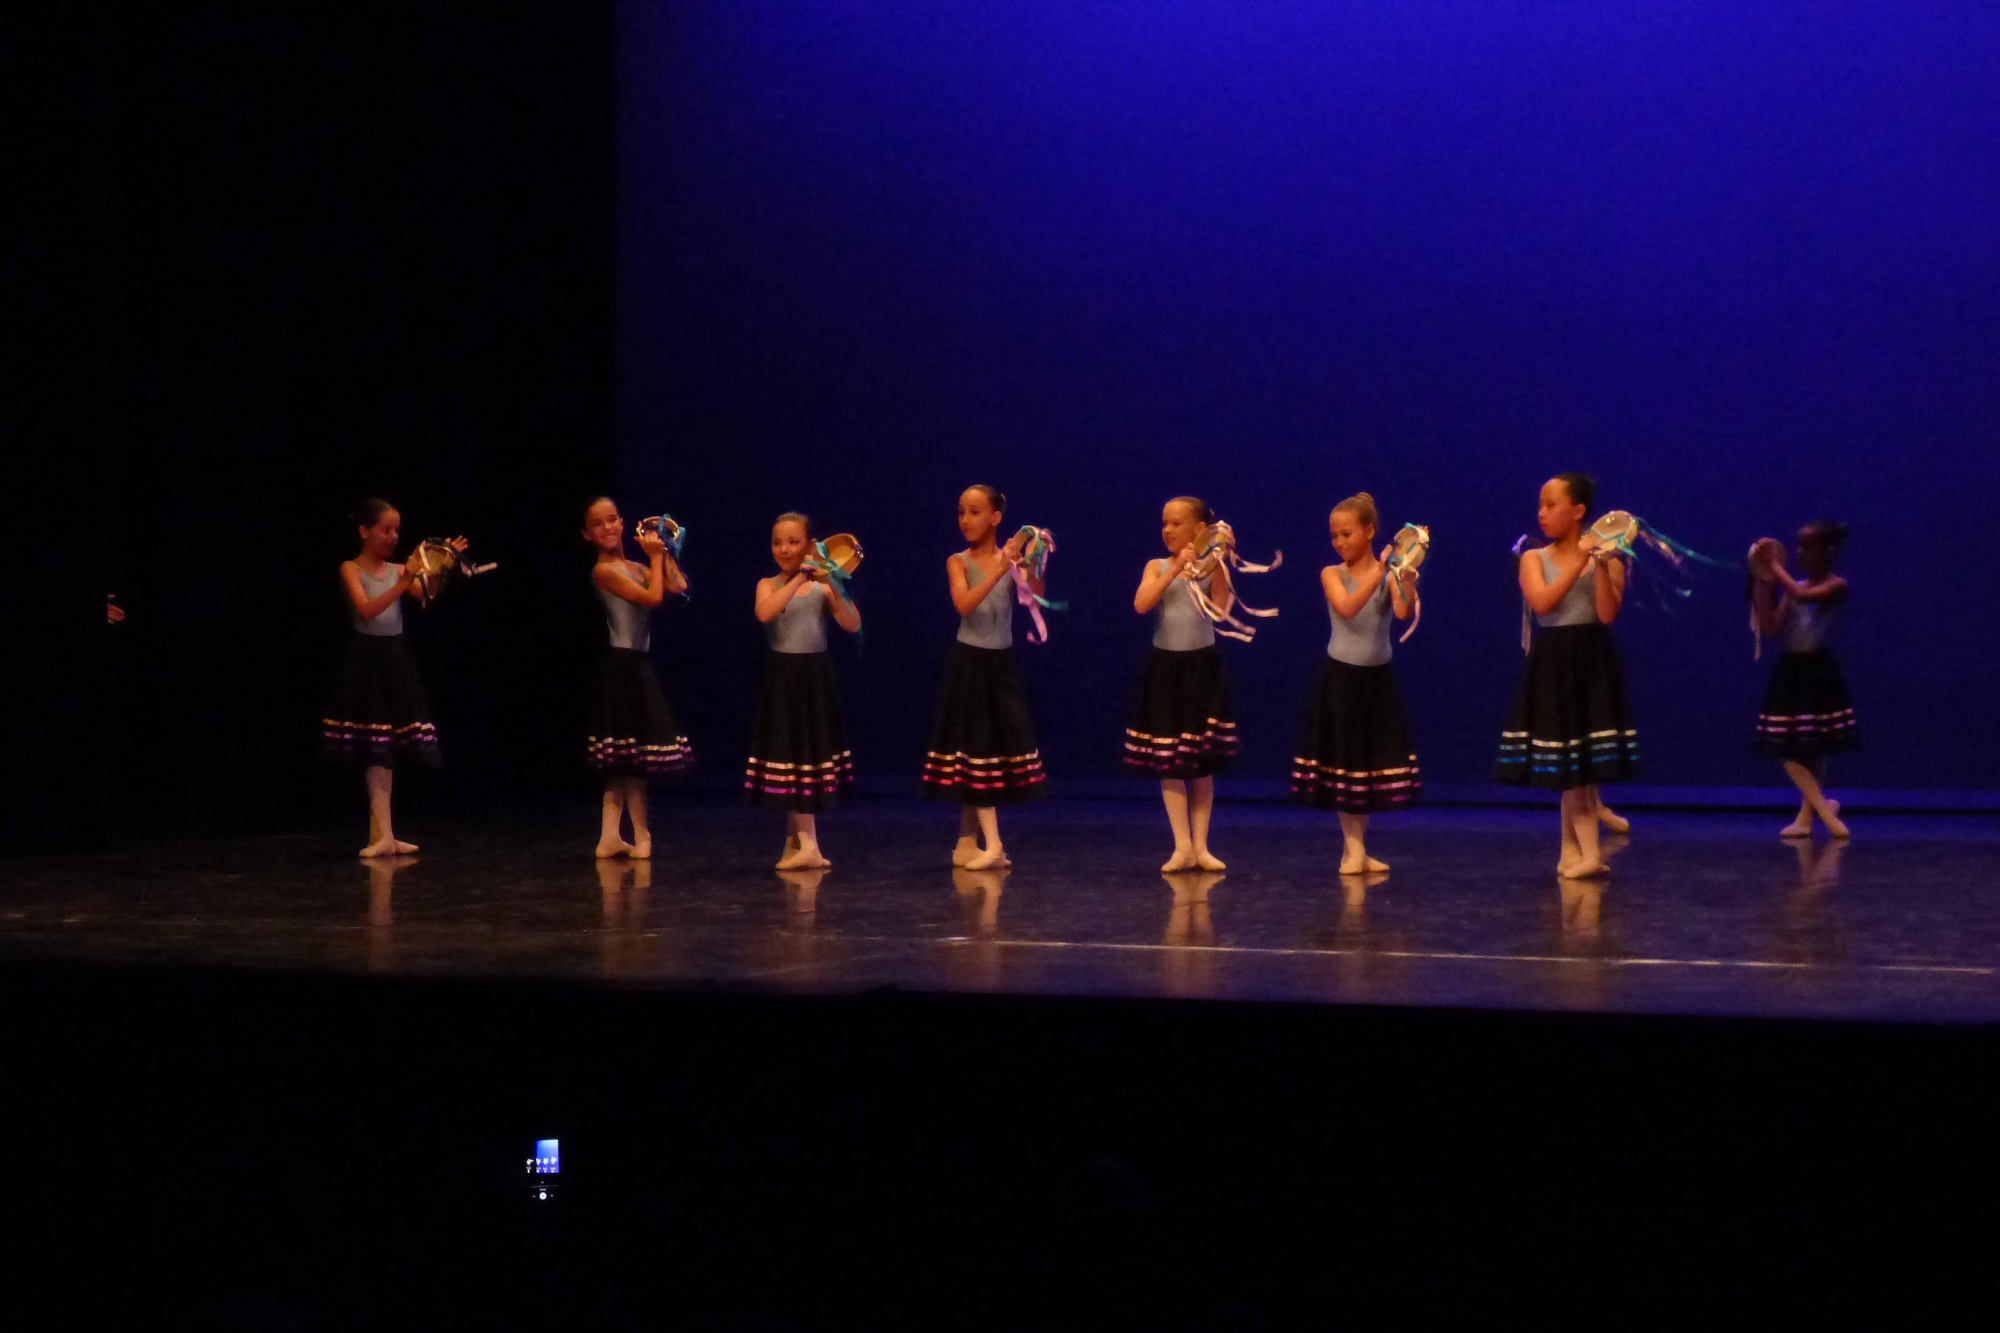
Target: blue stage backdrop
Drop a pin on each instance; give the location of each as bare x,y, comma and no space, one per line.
1741,260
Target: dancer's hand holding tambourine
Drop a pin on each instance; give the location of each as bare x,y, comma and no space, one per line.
662,527
843,551
435,564
1767,557
651,542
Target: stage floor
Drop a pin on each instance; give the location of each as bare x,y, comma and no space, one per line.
1708,914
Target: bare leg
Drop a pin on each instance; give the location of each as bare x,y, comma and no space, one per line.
381,832
635,806
1201,805
1570,851
1354,857
1611,819
1816,803
1581,809
611,813
968,837
989,828
785,861
1174,795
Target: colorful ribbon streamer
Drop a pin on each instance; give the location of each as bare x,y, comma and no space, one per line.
835,572
1218,548
1038,546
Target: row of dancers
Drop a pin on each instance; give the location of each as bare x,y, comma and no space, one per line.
1569,730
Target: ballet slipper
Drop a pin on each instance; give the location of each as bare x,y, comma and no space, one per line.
987,860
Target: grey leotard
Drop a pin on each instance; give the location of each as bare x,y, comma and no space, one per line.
1579,604
1179,625
1362,639
390,621
1809,625
801,626
991,624
631,625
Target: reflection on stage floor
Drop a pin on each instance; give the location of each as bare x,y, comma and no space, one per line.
1700,914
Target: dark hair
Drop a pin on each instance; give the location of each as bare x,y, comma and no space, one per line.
1581,486
1362,506
1196,506
996,498
369,512
794,516
1832,533
591,504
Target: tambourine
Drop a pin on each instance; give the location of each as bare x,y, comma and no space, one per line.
1761,572
670,533
1037,545
1218,548
1407,552
437,565
1412,544
1615,532
835,559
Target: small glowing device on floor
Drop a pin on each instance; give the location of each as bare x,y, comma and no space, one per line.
544,1169
1407,552
438,564
1218,548
671,534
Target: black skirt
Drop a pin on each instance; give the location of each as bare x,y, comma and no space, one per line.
1806,711
799,758
1571,724
633,730
982,749
1354,752
1183,723
379,717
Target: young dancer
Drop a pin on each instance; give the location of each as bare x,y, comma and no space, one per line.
634,734
799,760
1571,724
1354,753
982,751
379,717
1806,714
1183,728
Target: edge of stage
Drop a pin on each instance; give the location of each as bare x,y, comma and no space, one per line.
294,1141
